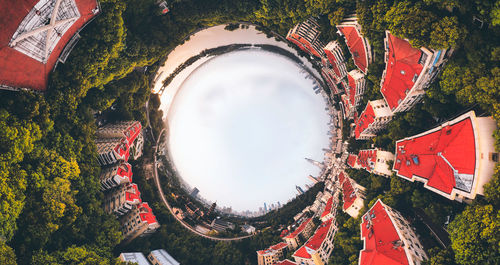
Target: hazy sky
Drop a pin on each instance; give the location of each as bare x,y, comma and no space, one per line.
241,126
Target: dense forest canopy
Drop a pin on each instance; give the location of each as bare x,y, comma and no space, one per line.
50,201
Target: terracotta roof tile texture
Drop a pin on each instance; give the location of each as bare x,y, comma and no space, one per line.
378,240
423,156
401,68
19,70
364,120
355,43
315,241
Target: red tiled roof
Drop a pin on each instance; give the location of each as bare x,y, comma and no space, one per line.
348,194
133,131
299,229
364,120
341,178
351,160
122,149
356,46
401,68
315,241
146,213
19,70
427,156
125,171
328,207
279,246
285,262
284,233
303,44
133,194
367,158
379,237
332,61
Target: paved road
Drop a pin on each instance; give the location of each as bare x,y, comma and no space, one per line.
162,196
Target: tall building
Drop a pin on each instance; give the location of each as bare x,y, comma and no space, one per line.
306,36
313,179
112,150
138,222
272,254
161,257
195,192
357,87
454,159
131,130
408,72
373,119
388,238
352,195
212,208
375,161
123,199
358,45
115,175
316,163
318,248
36,35
299,189
330,209
298,236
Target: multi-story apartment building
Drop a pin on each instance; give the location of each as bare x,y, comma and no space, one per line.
388,238
358,45
297,237
131,130
408,72
138,222
285,262
330,209
115,175
161,257
454,159
122,199
372,160
318,248
335,60
36,35
112,150
272,254
330,78
306,36
373,119
352,195
357,87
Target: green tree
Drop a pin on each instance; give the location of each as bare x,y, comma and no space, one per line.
447,33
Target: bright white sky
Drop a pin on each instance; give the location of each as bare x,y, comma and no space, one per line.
241,126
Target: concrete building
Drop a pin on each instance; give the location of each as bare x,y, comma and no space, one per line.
195,192
352,195
335,60
131,130
454,159
221,226
352,161
306,36
299,190
297,237
375,161
115,175
330,209
358,45
111,151
373,119
388,238
248,229
161,257
318,248
134,257
408,72
272,254
138,222
123,199
357,87
36,35
313,179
